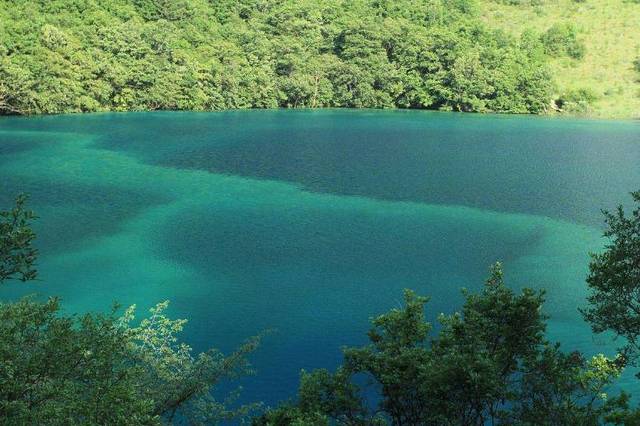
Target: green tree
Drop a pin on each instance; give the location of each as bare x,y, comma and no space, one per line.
488,364
94,369
60,370
177,382
75,55
562,39
577,100
614,280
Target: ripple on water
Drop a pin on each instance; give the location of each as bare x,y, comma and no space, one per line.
243,235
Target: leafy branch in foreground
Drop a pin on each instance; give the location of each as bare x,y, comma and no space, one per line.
97,369
614,280
17,254
178,382
59,369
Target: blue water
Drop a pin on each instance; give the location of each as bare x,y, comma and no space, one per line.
311,222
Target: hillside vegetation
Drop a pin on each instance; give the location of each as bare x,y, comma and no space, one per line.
88,55
509,56
610,32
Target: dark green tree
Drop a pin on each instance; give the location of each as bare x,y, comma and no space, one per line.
614,280
96,369
562,39
488,364
60,370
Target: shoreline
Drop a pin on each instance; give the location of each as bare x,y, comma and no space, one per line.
553,115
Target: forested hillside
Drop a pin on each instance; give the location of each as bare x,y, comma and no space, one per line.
518,56
95,55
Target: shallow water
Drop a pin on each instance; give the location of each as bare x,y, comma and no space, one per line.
311,222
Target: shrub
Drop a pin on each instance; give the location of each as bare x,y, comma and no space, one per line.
577,100
562,40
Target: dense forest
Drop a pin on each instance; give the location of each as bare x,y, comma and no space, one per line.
488,363
61,56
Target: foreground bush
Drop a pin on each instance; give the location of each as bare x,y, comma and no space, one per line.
489,364
99,369
95,369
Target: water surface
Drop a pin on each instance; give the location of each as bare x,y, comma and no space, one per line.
311,222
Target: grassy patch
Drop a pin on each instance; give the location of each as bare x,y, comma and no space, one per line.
610,30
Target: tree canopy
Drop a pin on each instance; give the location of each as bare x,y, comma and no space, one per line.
88,55
98,369
614,280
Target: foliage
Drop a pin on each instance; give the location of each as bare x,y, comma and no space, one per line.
290,415
66,370
562,39
609,31
57,369
488,364
180,384
521,2
17,254
577,100
614,280
84,55
97,369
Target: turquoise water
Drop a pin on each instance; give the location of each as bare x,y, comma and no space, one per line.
311,222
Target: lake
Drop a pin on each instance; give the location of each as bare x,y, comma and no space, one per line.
309,223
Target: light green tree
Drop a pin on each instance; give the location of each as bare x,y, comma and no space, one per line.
97,369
